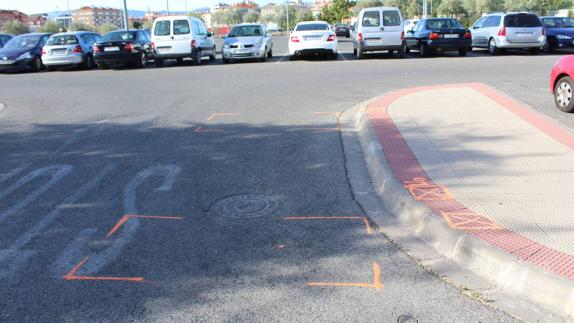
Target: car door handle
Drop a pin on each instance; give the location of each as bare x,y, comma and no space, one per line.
382,28
172,37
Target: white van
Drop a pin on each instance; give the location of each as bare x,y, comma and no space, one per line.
179,37
378,29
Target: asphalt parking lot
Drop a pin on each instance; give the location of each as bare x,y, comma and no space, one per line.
216,192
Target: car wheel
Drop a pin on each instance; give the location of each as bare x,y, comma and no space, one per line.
423,49
263,58
270,54
492,49
158,62
547,47
37,64
406,49
533,51
102,66
292,57
89,63
563,94
212,56
334,55
179,61
462,51
50,68
469,49
142,60
225,61
197,58
359,54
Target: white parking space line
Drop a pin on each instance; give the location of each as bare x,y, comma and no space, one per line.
342,57
283,58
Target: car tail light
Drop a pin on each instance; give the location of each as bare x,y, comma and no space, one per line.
543,32
502,31
77,49
467,35
331,38
294,39
360,37
193,43
402,35
128,47
96,49
434,36
152,45
44,51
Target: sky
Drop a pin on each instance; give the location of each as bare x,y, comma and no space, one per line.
40,6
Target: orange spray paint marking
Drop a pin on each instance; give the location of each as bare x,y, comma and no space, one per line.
337,114
126,217
422,190
280,246
215,115
200,130
72,275
376,284
364,219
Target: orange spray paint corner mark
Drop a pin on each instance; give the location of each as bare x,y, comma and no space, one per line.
336,113
366,223
126,217
215,115
377,284
71,275
423,190
200,130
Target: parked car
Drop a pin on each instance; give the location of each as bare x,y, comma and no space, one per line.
122,48
378,29
561,83
4,38
72,48
23,52
438,35
559,32
500,31
409,24
312,38
179,37
342,30
247,41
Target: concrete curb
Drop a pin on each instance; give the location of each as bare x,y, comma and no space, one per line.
498,274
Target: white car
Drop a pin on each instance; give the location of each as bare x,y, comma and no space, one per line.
312,38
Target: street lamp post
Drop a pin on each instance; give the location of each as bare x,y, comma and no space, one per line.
425,8
126,22
287,5
167,5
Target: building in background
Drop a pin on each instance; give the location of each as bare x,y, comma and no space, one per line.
11,15
37,21
97,16
318,7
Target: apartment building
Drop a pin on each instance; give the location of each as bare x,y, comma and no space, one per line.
97,16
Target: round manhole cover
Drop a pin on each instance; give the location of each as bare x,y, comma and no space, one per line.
246,206
406,318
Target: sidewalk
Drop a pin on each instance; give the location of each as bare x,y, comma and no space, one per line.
492,172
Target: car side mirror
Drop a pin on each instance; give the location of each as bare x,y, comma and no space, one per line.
475,27
352,28
209,34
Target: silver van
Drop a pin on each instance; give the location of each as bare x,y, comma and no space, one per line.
179,37
500,31
70,49
378,29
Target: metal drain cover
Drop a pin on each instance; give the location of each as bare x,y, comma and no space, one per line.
406,318
245,206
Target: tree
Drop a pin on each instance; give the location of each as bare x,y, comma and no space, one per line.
452,8
78,26
281,13
487,6
106,28
231,17
15,27
49,27
409,8
137,24
365,4
336,12
251,16
148,24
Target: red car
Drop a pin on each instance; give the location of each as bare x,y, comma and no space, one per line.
561,83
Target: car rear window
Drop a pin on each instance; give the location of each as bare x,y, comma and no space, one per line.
181,27
443,24
522,20
371,19
62,40
306,27
161,28
391,18
120,36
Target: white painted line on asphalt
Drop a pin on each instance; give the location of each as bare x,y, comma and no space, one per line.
14,172
344,58
283,57
68,141
2,106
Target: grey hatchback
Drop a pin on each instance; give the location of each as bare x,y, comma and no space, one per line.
72,48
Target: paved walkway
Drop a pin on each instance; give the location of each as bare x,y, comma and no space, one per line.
488,166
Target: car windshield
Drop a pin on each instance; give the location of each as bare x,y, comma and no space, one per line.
306,27
120,36
24,41
443,24
522,20
246,31
62,40
559,22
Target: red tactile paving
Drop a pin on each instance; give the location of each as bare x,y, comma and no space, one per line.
409,171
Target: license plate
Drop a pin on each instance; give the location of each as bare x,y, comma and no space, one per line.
111,49
451,36
373,42
241,51
6,62
58,51
312,37
163,50
524,34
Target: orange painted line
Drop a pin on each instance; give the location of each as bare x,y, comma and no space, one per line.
337,114
215,115
126,217
77,267
377,283
364,219
200,129
325,129
72,275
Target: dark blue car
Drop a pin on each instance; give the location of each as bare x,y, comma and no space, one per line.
23,53
438,35
559,32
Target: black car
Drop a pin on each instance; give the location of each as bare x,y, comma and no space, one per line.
23,53
439,35
4,38
559,32
342,30
123,47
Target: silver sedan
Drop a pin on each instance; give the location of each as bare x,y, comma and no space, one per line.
247,41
